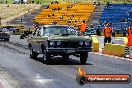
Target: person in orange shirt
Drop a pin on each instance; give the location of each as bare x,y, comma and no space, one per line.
129,41
83,27
130,36
107,33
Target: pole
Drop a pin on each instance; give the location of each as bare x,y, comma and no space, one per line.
0,21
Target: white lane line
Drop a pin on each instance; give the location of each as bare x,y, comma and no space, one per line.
44,81
4,83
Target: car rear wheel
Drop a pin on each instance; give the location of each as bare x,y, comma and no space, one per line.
33,54
83,57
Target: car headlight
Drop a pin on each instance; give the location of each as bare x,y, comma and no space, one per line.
87,43
81,43
58,43
52,43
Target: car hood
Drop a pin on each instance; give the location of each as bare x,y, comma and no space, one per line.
68,38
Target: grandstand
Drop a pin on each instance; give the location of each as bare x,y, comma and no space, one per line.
65,13
120,15
71,14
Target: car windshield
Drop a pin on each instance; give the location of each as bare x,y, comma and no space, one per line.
59,30
3,30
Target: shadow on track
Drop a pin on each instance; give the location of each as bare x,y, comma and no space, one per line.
60,61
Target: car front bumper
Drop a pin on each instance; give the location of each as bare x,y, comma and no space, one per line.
68,50
4,37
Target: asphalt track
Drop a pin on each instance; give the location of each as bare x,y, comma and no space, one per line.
34,73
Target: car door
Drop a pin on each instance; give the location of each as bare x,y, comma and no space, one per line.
36,41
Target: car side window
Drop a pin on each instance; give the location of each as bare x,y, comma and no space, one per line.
38,33
34,33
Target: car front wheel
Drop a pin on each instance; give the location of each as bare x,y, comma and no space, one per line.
83,57
47,56
33,54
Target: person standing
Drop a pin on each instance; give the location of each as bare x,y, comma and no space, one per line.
130,36
83,27
129,41
107,33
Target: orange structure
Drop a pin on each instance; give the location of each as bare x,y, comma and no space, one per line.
69,11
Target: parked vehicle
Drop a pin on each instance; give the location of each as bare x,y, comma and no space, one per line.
4,34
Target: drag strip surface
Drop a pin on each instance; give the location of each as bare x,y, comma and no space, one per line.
36,74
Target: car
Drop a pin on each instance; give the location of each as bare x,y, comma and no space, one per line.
4,34
62,40
90,31
25,34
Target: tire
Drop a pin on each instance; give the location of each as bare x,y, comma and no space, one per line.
7,39
21,37
33,54
47,57
83,57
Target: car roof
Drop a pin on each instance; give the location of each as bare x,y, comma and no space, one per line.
55,25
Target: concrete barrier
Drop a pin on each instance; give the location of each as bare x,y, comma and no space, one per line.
114,49
95,44
124,39
130,54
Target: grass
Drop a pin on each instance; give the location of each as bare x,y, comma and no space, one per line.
102,1
13,11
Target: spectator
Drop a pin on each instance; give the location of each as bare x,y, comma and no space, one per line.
129,38
37,2
54,9
73,15
32,2
61,17
59,9
47,7
54,22
49,15
98,32
83,26
69,21
75,2
107,33
91,25
52,2
94,3
98,4
124,32
113,31
108,5
5,2
53,14
76,25
56,2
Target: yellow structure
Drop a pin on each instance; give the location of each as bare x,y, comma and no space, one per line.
114,49
95,44
75,13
